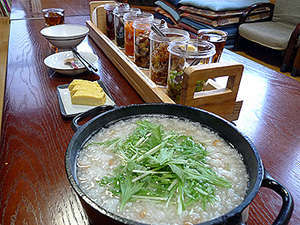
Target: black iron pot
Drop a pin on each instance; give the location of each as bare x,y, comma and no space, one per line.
257,174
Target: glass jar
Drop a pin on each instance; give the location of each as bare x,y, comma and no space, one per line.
129,19
142,31
53,16
159,55
119,12
217,37
182,55
110,29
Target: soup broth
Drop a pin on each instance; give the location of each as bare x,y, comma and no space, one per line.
99,160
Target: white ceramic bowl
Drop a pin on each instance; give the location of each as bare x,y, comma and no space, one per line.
57,62
64,31
66,43
65,36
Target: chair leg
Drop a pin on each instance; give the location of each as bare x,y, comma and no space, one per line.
287,60
295,72
296,65
237,43
290,50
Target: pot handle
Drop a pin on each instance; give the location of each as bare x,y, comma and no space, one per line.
90,113
287,199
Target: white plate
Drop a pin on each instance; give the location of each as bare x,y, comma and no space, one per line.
69,110
64,31
57,62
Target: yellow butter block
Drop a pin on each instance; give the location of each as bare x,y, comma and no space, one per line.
86,87
85,97
76,82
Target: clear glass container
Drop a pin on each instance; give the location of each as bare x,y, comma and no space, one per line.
53,16
159,55
110,29
119,12
217,37
182,55
142,31
129,19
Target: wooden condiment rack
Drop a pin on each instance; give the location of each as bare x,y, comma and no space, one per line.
221,101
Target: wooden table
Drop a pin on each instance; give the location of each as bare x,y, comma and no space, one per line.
33,186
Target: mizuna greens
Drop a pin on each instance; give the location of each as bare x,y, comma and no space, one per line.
161,166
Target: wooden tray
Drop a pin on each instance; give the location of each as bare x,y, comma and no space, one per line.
221,101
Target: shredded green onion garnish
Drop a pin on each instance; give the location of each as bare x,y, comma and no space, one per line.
158,165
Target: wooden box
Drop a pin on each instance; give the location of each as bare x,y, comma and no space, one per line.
216,99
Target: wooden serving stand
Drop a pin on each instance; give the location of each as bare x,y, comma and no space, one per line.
221,101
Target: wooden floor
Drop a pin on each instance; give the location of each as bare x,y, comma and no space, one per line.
265,56
273,67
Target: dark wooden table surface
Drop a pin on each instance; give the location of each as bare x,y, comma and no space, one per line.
33,186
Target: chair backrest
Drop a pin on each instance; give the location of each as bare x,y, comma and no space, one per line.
287,11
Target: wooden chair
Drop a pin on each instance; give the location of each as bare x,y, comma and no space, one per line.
280,31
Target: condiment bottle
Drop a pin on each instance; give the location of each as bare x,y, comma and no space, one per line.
182,55
119,12
110,30
142,31
129,19
159,55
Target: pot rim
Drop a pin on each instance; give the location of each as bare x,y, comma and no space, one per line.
233,213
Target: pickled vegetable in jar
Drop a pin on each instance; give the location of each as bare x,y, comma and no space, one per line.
129,19
142,45
159,55
182,55
142,28
109,8
119,12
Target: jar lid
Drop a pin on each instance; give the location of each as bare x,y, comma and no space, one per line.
192,49
110,6
172,34
143,21
136,15
143,18
121,8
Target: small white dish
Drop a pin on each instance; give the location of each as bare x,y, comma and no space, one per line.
65,31
57,62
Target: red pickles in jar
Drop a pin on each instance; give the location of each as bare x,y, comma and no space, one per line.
129,39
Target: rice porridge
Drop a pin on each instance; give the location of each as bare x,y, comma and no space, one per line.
162,170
